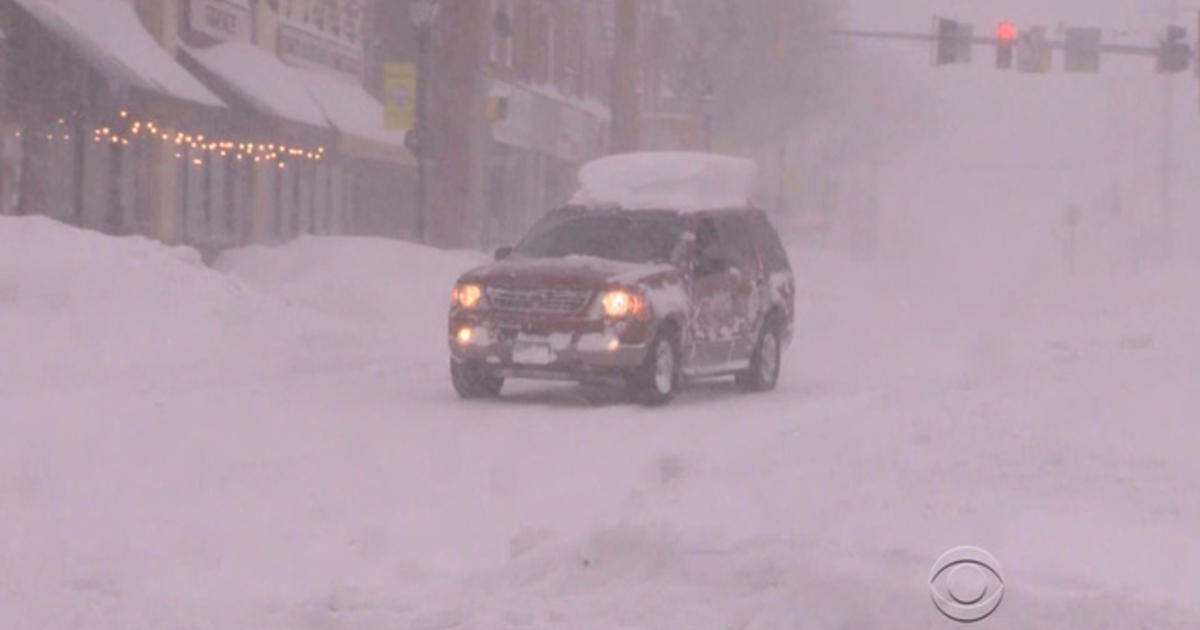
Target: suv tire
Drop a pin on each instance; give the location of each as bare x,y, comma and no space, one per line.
473,380
656,382
766,361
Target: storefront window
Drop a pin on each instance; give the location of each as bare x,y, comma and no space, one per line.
192,193
10,168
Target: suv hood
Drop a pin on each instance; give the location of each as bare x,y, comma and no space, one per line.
568,272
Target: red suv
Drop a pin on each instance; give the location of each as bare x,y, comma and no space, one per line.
645,299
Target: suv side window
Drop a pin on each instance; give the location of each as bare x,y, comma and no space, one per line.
737,241
774,256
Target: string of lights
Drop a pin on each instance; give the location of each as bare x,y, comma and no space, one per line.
134,129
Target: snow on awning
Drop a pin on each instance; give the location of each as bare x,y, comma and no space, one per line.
277,89
667,180
110,35
354,112
261,79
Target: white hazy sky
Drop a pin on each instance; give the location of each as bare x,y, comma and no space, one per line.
994,144
1065,117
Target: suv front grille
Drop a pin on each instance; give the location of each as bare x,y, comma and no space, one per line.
547,301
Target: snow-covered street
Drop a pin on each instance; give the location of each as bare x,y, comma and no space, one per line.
273,443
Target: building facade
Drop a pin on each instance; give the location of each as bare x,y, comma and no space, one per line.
548,76
214,123
547,80
219,123
295,72
78,74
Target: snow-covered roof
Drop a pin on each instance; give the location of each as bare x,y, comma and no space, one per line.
349,108
269,85
110,35
677,180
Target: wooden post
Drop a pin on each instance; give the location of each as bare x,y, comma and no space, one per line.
624,79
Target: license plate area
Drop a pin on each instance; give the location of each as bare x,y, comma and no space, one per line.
532,351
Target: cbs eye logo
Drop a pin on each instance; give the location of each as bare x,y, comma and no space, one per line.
966,584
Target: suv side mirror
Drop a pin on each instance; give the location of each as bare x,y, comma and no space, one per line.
503,253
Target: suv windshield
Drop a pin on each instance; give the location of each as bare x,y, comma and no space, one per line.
642,237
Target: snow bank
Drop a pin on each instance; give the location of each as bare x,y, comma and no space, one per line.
394,293
667,180
81,307
650,577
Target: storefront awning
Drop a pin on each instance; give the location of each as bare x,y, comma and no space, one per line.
261,79
359,118
277,89
110,36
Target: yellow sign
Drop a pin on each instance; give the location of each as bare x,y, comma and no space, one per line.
399,95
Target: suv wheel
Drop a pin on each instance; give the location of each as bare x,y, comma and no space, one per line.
765,362
473,380
657,381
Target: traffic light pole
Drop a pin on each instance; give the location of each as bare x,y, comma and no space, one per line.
1168,157
1168,170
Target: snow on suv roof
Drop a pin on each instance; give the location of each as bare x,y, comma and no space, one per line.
667,180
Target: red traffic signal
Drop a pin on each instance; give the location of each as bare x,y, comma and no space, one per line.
1006,35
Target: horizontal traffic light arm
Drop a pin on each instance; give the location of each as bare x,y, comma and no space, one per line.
1118,49
919,37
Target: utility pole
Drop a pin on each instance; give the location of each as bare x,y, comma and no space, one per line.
423,13
624,79
456,123
1166,179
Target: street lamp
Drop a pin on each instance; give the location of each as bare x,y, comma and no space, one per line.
707,100
423,14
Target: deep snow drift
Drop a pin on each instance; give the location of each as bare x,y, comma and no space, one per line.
273,443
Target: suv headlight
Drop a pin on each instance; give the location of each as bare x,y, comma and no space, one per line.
467,296
621,303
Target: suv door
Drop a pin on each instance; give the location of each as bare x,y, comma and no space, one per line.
747,282
779,289
712,286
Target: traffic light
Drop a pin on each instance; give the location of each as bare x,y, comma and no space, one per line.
1082,50
1033,51
953,42
1173,54
1006,35
947,31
